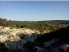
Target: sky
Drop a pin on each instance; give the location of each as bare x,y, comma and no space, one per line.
34,0
34,10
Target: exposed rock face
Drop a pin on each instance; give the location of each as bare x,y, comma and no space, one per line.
27,40
39,49
11,37
6,33
46,44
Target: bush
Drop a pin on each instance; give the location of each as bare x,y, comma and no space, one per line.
41,25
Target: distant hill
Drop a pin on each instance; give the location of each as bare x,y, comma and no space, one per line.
50,21
58,21
38,25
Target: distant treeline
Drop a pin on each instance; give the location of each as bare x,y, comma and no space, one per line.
38,25
55,22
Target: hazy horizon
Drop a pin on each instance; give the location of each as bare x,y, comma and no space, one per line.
34,10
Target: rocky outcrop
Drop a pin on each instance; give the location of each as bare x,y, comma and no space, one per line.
28,40
15,38
12,34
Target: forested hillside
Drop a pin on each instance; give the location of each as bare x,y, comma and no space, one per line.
37,25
